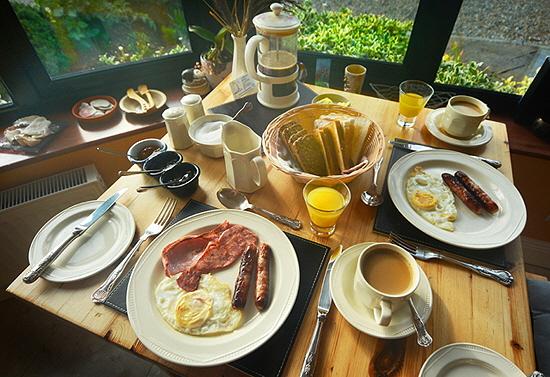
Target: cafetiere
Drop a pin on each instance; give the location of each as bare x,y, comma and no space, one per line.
277,69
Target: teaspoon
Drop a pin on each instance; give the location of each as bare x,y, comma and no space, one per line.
423,338
374,199
170,183
236,200
245,109
111,151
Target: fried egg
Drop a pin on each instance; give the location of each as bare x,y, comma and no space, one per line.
206,311
431,199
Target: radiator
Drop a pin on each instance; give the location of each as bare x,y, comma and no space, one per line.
24,209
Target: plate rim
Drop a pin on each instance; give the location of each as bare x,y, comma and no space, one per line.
432,128
425,227
126,215
227,356
440,352
410,329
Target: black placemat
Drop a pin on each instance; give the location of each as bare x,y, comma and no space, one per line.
389,219
260,116
270,358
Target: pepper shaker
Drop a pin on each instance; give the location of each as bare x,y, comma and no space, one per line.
192,103
177,125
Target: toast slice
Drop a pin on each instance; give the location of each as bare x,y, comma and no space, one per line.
349,137
288,130
333,149
309,152
360,143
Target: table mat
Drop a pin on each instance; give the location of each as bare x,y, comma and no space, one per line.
260,116
389,219
270,358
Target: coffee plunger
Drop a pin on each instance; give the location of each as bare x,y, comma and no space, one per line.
277,69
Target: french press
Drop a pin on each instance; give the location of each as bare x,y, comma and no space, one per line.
277,69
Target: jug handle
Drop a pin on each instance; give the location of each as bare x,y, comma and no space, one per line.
261,177
250,53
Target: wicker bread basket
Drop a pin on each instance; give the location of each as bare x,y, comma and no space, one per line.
305,115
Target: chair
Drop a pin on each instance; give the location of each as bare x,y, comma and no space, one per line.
539,301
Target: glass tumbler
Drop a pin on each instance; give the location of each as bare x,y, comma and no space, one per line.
413,96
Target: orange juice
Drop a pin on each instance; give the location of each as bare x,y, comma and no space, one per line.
325,205
410,104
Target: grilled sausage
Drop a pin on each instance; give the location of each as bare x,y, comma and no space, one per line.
462,193
487,203
262,277
248,263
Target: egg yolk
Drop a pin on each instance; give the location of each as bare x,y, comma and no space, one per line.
193,309
424,200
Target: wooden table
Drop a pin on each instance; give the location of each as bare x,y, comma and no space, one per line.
466,308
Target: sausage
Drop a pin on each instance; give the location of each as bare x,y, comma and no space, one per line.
262,277
248,263
462,193
487,203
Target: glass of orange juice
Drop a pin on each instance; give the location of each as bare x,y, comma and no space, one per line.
413,96
325,201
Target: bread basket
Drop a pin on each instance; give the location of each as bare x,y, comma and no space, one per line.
305,115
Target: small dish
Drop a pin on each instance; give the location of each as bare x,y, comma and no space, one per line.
186,187
131,106
331,99
357,315
467,359
483,136
209,148
161,162
88,120
137,153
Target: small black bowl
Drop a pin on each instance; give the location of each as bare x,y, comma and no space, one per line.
161,161
188,186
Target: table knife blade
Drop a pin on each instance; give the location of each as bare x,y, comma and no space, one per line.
38,269
419,147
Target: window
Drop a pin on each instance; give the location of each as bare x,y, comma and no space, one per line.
369,30
5,98
79,36
496,46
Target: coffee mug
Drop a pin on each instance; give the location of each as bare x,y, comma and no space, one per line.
245,168
463,116
354,77
385,276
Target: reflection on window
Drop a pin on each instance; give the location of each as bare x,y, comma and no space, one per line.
371,30
76,36
496,45
5,98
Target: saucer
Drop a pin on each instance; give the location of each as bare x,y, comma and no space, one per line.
467,359
483,135
362,318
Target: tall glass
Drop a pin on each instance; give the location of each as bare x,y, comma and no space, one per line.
325,201
413,96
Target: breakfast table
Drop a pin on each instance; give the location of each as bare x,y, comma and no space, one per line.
466,306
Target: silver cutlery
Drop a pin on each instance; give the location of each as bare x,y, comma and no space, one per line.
111,151
374,198
78,230
234,199
418,147
502,276
170,183
157,226
122,173
245,109
536,373
325,301
423,338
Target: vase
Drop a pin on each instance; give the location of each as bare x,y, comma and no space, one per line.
239,44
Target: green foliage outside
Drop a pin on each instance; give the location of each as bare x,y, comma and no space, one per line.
381,38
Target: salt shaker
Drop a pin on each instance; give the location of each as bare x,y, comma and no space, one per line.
177,125
192,103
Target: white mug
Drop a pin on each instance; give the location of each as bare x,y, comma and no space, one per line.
463,116
383,304
245,168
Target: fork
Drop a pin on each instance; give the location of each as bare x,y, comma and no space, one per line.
100,295
502,276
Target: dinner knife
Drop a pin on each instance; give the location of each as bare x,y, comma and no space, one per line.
419,147
325,301
78,230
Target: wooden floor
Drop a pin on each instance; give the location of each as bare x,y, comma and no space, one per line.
35,343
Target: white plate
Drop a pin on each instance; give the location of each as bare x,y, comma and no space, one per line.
99,246
157,335
466,359
362,318
472,231
483,135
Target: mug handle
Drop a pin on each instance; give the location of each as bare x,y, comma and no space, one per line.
260,177
382,314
